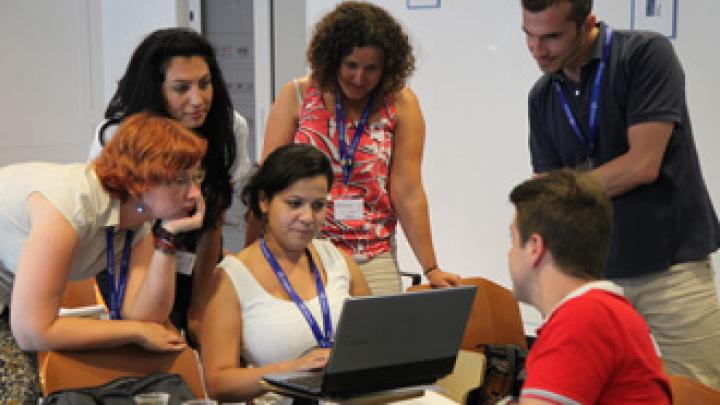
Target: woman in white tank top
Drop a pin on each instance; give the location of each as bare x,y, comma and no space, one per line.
276,303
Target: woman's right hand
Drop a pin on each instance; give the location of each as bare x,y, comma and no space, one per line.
317,358
160,338
189,223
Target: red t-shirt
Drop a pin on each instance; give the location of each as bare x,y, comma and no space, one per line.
595,348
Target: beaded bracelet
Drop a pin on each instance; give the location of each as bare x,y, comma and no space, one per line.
165,246
165,241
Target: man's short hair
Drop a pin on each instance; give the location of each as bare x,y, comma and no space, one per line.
572,214
578,13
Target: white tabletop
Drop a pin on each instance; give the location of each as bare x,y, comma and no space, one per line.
429,398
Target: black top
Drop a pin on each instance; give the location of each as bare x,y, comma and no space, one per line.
655,225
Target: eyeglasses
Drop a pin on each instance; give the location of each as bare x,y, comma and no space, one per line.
185,182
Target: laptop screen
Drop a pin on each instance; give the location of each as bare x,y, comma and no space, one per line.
389,341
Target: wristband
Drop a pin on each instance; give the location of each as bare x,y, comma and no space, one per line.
164,240
165,246
163,233
430,269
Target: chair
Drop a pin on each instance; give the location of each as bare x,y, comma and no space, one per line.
80,293
494,317
690,392
83,368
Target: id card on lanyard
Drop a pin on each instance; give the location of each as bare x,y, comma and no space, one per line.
347,208
118,282
590,140
324,340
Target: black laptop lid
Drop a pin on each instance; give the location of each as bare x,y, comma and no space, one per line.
397,340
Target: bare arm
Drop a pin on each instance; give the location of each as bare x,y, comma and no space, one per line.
280,129
208,251
641,163
282,120
151,282
40,280
221,339
406,189
358,285
150,294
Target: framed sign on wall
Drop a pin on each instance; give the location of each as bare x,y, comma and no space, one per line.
655,15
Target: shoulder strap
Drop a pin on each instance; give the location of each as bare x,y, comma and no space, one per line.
298,92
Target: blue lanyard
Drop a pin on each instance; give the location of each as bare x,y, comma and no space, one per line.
594,100
323,340
347,153
117,291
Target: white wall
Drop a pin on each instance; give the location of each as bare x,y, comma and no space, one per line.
124,24
48,81
61,62
473,75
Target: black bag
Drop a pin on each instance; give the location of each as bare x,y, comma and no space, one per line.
504,374
121,391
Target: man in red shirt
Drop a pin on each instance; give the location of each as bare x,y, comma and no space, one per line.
593,346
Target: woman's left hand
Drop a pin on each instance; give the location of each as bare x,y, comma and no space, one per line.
189,223
439,278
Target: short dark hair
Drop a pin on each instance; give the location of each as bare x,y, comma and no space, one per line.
572,214
356,24
140,89
283,167
578,13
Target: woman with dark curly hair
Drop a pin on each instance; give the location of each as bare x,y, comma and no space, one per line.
173,72
355,106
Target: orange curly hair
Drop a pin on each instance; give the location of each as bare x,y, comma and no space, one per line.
147,150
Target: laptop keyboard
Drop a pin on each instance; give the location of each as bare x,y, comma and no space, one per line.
314,382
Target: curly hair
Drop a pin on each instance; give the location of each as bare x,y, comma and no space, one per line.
147,150
356,24
140,89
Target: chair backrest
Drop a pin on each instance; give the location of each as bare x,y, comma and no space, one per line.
494,318
87,368
690,392
80,293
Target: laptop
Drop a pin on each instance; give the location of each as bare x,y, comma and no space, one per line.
386,342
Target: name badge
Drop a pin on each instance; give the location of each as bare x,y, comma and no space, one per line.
185,262
348,210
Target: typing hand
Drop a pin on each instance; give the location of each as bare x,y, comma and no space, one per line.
315,359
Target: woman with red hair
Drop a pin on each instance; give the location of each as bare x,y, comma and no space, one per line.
68,222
